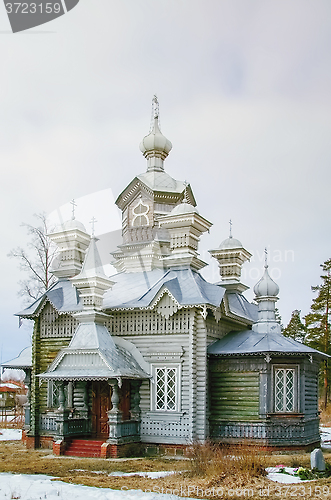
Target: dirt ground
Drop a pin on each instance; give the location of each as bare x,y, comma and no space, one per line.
14,457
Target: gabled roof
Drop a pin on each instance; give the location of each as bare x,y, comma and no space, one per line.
93,355
135,290
157,182
23,360
139,290
250,342
62,295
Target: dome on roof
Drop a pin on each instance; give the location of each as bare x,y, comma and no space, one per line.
155,143
184,208
69,225
230,243
266,287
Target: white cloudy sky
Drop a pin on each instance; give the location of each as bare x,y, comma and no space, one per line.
245,94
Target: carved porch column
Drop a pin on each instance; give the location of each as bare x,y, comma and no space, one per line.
62,414
115,414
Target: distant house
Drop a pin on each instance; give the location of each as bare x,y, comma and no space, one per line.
22,362
156,354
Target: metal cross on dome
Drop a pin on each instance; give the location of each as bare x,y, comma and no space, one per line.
92,222
265,257
155,111
74,204
230,223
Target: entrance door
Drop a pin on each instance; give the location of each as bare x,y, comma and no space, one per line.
101,404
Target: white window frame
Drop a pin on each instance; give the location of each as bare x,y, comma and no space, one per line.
154,387
295,389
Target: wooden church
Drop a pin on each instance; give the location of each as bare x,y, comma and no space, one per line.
156,356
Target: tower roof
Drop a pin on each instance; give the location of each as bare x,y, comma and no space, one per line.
266,287
155,144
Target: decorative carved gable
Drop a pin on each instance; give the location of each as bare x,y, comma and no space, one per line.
167,305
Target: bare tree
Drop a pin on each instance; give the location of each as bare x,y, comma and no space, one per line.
36,260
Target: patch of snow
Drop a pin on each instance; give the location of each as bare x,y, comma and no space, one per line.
10,434
325,437
283,478
150,475
13,374
288,478
28,487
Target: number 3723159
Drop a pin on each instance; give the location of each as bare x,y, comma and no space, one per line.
33,8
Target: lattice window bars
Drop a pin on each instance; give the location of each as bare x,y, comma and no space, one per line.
285,390
166,388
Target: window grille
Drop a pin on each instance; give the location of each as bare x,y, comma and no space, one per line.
285,390
53,395
166,388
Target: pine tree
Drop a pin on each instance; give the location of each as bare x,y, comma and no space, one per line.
279,318
296,329
318,321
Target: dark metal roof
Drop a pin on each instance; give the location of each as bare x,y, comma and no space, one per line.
250,342
138,290
135,290
62,295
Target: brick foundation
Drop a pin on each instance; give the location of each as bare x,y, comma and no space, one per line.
59,447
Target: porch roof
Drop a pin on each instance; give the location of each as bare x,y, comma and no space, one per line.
93,355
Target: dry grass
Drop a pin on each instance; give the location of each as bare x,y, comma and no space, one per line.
211,460
218,475
325,415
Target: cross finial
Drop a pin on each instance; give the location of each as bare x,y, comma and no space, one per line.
74,204
230,223
155,111
155,105
265,257
92,222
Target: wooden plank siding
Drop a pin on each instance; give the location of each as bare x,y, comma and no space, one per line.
234,396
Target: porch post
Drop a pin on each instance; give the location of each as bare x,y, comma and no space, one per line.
27,405
115,414
62,414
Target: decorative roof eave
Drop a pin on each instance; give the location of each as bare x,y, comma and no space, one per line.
38,311
70,378
317,354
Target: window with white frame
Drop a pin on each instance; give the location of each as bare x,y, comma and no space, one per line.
285,390
166,388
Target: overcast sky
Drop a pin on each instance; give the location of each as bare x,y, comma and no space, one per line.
245,94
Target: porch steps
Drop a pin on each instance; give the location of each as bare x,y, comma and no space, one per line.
84,448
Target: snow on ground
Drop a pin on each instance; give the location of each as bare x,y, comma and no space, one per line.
10,434
32,487
150,475
279,477
325,437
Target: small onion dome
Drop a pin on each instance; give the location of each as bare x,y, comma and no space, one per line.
266,287
230,243
184,208
70,225
155,143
